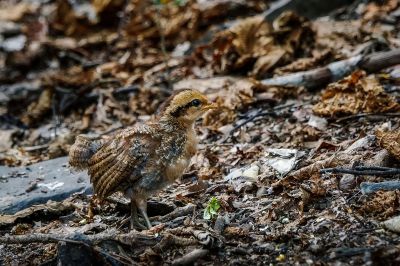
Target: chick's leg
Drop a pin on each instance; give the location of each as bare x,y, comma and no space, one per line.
134,217
142,206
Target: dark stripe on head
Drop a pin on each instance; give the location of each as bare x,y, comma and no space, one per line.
181,110
168,101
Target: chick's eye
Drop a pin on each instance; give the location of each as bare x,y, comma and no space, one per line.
196,102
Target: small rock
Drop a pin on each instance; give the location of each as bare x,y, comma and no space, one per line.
13,44
181,49
392,224
347,182
314,248
31,187
317,122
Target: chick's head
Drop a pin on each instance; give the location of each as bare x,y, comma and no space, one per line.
186,106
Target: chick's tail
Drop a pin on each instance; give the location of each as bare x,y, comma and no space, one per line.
82,150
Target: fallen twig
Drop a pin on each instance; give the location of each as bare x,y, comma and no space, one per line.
371,115
178,212
314,168
337,70
369,188
170,240
260,113
363,170
132,237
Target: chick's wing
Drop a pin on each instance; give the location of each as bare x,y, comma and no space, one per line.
121,159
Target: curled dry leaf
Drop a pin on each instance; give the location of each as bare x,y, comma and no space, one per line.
253,43
50,208
76,17
234,231
73,77
389,141
355,94
16,12
37,110
383,204
374,10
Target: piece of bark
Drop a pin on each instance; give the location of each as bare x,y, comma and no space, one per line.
369,188
301,7
178,212
190,257
337,70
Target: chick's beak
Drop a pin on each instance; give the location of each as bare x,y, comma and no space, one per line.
210,106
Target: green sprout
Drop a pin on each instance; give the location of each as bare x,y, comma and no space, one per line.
212,209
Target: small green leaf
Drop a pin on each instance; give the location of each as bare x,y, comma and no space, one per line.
212,209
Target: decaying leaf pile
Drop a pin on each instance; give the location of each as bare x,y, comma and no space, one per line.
254,192
355,94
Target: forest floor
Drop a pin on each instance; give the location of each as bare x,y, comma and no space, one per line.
290,169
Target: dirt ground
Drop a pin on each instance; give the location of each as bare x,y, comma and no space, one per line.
290,170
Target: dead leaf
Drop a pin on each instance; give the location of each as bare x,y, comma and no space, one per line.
355,94
389,141
255,44
49,209
382,205
37,110
16,12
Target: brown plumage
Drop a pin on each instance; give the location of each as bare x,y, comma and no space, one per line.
142,160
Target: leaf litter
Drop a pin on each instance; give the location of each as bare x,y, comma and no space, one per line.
254,192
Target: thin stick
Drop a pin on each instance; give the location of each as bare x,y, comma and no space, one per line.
361,170
368,115
260,113
76,238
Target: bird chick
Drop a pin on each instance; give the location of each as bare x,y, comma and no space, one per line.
140,161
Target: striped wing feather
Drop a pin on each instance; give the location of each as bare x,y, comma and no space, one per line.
117,160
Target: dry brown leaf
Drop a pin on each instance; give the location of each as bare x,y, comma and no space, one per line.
16,12
50,208
37,110
383,204
374,10
267,62
73,77
355,94
77,17
255,44
341,37
233,231
389,141
303,64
